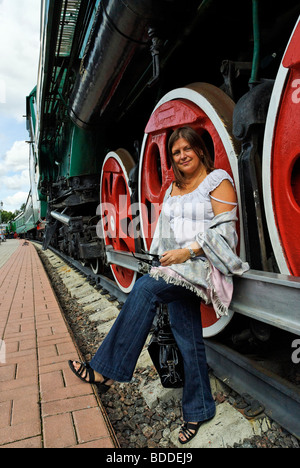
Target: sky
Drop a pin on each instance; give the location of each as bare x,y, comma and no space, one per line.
19,55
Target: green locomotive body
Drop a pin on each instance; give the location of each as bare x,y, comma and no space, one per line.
116,77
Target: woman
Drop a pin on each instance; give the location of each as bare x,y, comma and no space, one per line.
197,224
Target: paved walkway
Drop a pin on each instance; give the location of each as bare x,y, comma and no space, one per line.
7,249
42,404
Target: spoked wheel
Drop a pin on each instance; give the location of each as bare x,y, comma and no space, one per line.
209,111
281,161
116,212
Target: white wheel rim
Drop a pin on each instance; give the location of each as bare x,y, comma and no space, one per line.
273,111
115,156
207,107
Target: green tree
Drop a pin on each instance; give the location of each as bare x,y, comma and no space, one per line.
7,216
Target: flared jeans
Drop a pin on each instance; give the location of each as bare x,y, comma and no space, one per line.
118,354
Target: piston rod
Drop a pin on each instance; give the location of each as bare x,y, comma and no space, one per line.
62,218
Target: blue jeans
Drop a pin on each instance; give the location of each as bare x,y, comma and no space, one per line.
117,356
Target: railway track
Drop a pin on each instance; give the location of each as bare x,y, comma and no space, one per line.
253,375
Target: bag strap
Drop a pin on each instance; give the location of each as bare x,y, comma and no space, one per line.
163,316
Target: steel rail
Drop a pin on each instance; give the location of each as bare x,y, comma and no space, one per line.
100,281
280,398
264,296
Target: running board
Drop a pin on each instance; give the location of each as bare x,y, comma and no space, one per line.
267,297
270,298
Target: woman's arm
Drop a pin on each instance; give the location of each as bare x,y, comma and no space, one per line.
180,255
174,256
225,193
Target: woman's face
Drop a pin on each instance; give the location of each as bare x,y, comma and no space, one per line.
185,158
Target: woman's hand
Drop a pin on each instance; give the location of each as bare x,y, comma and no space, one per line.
174,256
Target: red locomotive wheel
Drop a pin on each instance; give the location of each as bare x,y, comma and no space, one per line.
209,111
281,161
116,212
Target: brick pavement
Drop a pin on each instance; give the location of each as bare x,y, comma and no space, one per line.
42,404
7,249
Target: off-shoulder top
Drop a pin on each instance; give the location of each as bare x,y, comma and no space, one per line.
191,213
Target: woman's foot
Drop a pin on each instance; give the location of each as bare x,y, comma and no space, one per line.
188,431
85,373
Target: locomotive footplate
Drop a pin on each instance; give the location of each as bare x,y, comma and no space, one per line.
138,262
271,298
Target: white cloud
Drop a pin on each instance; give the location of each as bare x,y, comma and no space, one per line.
17,181
19,56
14,202
2,91
14,176
19,51
17,158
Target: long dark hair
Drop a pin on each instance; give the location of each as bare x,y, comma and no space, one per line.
197,144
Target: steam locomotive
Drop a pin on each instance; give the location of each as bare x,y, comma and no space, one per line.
116,77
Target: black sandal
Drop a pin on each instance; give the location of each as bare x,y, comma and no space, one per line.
102,387
85,371
186,429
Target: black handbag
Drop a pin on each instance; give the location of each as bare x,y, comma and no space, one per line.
165,353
